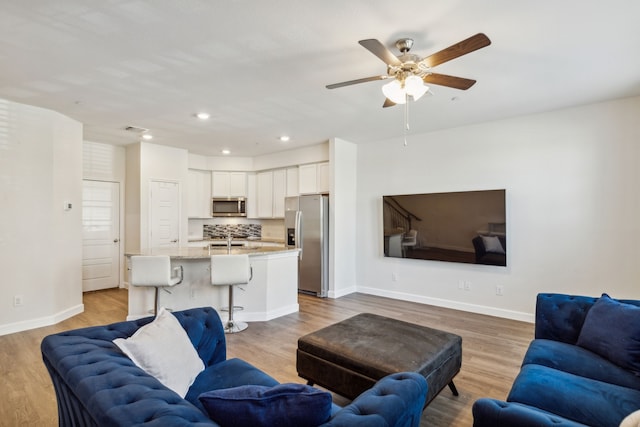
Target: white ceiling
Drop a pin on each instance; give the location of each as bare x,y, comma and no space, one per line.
260,67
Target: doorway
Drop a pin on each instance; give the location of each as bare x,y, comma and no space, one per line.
100,235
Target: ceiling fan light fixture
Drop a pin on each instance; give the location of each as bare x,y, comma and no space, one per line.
415,87
395,91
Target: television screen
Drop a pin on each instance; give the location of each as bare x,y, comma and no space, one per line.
465,226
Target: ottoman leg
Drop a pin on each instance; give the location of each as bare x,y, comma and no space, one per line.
453,388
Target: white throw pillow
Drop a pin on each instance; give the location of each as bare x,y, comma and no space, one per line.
163,349
492,244
632,420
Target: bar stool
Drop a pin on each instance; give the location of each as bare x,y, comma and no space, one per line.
154,271
231,270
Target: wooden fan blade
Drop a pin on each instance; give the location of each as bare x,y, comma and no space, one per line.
379,50
388,103
354,82
449,81
452,52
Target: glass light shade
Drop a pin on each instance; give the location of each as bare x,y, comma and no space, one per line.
395,92
415,87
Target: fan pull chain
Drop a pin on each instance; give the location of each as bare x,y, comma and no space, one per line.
406,118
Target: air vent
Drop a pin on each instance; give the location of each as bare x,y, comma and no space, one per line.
136,129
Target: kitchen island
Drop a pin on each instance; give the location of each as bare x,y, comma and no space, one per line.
271,293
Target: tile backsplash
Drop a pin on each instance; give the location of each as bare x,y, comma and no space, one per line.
221,231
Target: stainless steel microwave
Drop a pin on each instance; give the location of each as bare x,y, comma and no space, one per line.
232,206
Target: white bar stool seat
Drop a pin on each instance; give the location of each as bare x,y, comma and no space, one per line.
154,271
231,270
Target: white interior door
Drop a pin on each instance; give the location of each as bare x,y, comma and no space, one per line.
100,235
165,214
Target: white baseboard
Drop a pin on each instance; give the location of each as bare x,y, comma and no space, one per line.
342,292
456,305
40,322
263,316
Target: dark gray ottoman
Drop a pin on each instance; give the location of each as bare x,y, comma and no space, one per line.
350,356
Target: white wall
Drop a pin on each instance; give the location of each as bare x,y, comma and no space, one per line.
40,241
343,243
573,207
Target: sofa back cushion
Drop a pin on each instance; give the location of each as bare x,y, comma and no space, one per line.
206,332
560,317
612,330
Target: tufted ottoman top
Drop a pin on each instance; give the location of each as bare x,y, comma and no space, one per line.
377,346
371,346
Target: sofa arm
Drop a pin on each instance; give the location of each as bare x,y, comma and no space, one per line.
396,400
495,413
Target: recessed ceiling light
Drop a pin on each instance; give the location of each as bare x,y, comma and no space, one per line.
284,138
147,136
226,152
203,116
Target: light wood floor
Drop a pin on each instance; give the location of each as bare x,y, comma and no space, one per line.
492,350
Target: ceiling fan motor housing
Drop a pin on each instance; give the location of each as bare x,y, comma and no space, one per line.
404,45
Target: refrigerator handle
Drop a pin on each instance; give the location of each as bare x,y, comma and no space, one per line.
299,237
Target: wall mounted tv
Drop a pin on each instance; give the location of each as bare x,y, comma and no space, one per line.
466,226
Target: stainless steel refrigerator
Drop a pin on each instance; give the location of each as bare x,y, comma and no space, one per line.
306,224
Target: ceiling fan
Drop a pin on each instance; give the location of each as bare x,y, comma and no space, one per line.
410,72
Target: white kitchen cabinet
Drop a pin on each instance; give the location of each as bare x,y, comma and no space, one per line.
270,193
264,194
198,194
279,192
252,196
314,178
292,182
228,184
323,177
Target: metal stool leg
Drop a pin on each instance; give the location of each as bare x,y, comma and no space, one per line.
233,326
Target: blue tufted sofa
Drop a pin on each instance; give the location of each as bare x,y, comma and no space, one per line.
562,382
97,385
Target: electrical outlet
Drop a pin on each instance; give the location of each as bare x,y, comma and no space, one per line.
467,285
394,277
461,284
18,301
499,290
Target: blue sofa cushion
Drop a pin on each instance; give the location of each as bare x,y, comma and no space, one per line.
495,413
612,330
578,361
586,401
230,373
284,405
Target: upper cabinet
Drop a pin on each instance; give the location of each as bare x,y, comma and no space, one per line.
292,182
270,193
313,178
279,192
228,184
199,194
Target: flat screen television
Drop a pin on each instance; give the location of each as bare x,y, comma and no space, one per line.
465,226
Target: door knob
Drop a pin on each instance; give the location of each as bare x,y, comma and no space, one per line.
174,241
116,240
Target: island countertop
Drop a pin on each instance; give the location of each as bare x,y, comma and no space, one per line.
198,253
